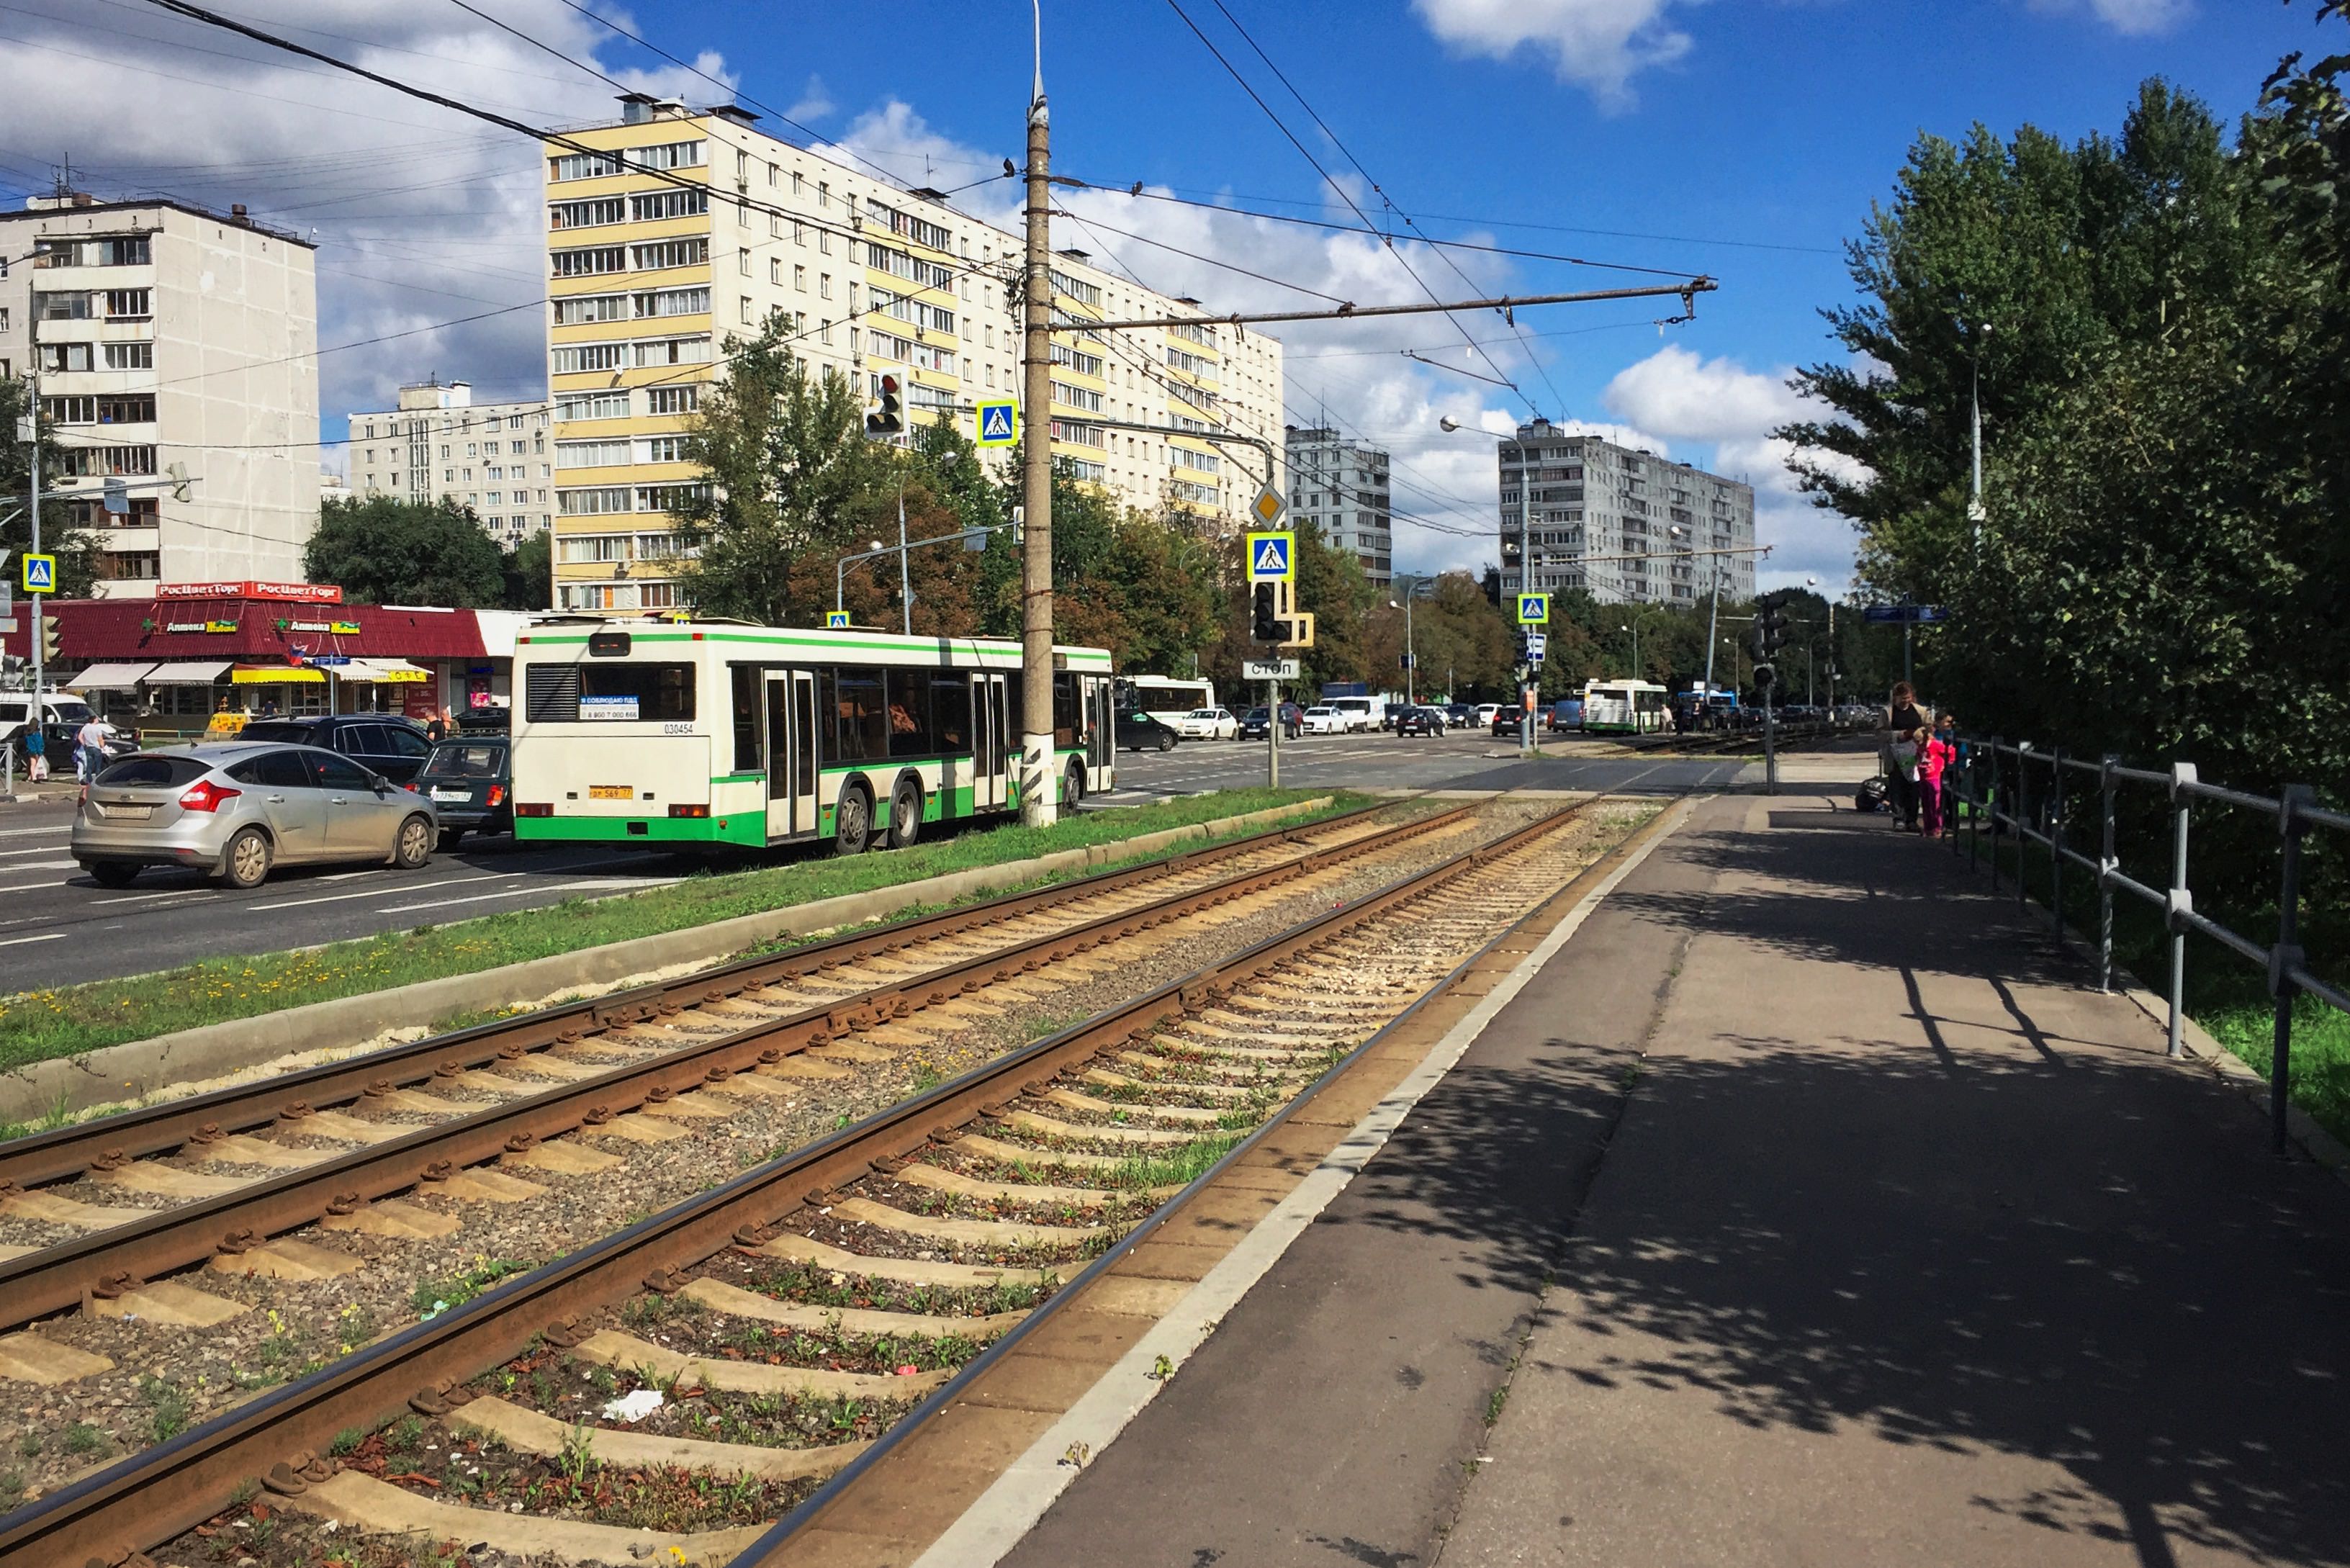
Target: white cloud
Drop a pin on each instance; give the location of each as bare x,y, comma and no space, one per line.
1680,393
1599,45
814,101
2131,18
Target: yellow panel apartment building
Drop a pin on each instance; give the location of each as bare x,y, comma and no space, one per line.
683,225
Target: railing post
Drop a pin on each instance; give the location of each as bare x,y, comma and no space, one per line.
1998,799
2181,775
2284,958
2107,865
2056,840
2021,814
1974,807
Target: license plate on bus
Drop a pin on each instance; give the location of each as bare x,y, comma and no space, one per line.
611,792
452,794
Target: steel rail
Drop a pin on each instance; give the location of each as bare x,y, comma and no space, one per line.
153,1497
110,1261
63,1152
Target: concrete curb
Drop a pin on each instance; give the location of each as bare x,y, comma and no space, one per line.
124,1073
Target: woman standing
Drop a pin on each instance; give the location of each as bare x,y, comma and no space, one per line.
1903,720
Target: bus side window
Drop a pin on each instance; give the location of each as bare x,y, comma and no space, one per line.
864,717
909,713
950,713
747,759
1066,720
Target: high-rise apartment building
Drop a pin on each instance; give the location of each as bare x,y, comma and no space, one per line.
1622,523
1341,487
682,226
161,335
441,445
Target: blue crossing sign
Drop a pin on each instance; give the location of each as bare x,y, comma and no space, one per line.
40,574
836,621
1271,557
999,422
1533,609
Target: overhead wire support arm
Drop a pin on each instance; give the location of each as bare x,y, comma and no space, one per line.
1686,292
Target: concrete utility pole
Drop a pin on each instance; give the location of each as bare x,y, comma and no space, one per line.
33,434
1039,803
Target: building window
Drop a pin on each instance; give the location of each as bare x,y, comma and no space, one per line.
673,400
799,278
56,358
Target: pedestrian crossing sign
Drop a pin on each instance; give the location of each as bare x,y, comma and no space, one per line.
1271,557
1533,609
999,422
40,574
836,621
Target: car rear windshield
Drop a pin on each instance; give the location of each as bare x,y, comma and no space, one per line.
279,730
155,772
465,760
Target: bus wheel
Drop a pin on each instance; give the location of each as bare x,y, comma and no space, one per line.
852,821
905,813
1073,786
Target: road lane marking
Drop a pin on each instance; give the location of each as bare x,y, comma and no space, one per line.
362,893
44,937
565,887
61,828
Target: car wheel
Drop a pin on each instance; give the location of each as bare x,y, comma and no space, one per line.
1073,786
413,845
245,862
110,873
852,822
905,813
448,837
1166,744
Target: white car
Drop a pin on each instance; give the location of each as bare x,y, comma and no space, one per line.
1209,725
1486,712
1325,719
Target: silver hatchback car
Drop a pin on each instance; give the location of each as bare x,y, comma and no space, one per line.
238,808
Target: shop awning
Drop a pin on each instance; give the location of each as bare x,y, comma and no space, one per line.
275,675
397,671
188,672
109,677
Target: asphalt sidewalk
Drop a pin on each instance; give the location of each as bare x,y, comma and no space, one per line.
1876,1238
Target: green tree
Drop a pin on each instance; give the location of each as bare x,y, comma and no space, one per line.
529,573
75,548
385,551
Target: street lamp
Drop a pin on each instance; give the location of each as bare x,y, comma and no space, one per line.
1452,426
1410,661
1813,582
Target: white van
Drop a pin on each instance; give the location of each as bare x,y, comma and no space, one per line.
57,708
1360,713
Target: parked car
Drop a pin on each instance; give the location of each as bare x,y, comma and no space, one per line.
1417,722
1460,715
384,743
470,781
1485,712
1138,731
1323,720
238,808
1209,725
1256,722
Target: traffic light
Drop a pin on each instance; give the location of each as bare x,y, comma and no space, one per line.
1264,622
1764,677
888,418
1769,627
48,638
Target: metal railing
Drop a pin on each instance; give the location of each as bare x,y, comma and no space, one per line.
2006,803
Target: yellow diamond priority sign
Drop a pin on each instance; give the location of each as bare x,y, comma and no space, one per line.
1268,507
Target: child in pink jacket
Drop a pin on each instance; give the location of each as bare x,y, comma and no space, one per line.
1934,753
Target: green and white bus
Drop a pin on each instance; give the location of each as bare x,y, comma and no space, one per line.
682,733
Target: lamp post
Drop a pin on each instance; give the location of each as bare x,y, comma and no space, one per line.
1451,426
1976,337
1410,661
1813,582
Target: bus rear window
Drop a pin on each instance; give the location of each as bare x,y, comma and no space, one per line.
642,694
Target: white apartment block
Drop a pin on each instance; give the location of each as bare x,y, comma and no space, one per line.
1341,487
158,335
684,225
1625,525
441,445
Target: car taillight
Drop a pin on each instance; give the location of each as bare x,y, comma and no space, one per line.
206,795
410,786
497,794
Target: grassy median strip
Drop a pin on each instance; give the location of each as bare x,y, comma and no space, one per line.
44,1026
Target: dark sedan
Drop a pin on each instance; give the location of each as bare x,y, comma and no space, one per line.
1418,722
1508,723
1138,731
1256,720
382,742
471,786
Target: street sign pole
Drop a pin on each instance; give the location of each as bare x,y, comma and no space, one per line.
1272,734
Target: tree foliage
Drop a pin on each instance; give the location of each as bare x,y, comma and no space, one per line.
382,550
2165,425
75,549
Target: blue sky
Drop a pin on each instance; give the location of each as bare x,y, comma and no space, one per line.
1744,138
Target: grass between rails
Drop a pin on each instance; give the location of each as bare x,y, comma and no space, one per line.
44,1026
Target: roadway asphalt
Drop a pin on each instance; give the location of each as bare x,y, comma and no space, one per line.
58,927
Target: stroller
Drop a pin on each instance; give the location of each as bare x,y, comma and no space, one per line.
1884,792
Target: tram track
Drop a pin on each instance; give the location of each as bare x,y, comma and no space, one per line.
621,1062
1077,1137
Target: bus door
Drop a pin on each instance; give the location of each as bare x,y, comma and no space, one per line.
987,742
1101,745
791,753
